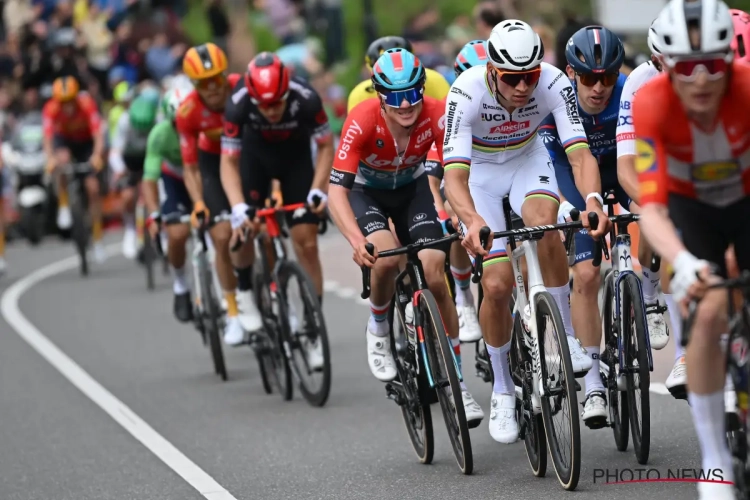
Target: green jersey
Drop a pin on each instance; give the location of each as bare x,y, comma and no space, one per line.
163,150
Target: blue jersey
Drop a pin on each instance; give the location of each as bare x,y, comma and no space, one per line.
601,131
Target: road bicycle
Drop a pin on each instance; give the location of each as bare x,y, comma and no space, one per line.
738,367
540,387
151,255
208,314
78,201
626,362
281,348
426,364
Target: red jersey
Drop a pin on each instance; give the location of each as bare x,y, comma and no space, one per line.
675,155
82,126
367,151
199,127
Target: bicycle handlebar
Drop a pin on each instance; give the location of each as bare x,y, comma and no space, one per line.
600,245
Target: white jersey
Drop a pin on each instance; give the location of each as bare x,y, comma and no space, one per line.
478,129
625,130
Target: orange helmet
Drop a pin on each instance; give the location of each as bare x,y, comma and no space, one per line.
204,61
65,88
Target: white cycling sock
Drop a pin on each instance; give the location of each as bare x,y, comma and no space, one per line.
561,294
676,320
377,324
649,282
501,369
179,284
708,418
128,221
592,379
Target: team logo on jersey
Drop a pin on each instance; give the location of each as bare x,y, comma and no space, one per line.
714,171
231,129
647,188
645,156
509,128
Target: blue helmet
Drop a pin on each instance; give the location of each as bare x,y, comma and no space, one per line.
594,49
474,53
397,69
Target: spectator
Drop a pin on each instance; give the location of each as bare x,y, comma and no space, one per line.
548,42
17,14
486,16
460,32
161,59
572,24
219,21
97,40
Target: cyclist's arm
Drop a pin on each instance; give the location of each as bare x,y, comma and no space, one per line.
626,174
231,149
189,150
343,173
152,170
321,132
119,139
48,130
96,127
434,168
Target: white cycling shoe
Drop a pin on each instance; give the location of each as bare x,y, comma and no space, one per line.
468,325
130,243
313,353
234,334
64,218
379,357
579,358
248,312
503,424
595,410
677,381
657,327
474,413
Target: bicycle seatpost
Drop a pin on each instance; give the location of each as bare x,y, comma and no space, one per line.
484,236
366,288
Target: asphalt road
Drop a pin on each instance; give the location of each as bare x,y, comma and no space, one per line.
56,444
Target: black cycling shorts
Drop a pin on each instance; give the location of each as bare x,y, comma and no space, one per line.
80,152
707,231
411,208
213,193
291,165
134,166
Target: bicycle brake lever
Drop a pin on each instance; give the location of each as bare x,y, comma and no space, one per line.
366,288
484,236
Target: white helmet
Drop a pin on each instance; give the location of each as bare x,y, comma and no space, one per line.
514,46
654,43
713,18
172,100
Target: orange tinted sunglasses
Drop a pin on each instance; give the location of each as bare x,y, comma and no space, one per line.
513,78
210,83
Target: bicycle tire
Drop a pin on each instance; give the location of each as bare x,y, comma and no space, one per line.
79,231
618,402
440,356
632,303
567,475
211,318
535,440
149,256
283,344
261,352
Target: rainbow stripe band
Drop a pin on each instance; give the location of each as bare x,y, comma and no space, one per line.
495,257
543,194
462,163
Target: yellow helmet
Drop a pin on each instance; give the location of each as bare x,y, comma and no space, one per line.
65,88
204,61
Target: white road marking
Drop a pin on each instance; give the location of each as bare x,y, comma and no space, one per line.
120,413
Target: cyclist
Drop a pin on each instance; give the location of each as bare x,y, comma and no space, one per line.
473,53
378,174
594,55
491,150
281,114
73,132
121,95
435,86
200,123
164,160
691,158
127,154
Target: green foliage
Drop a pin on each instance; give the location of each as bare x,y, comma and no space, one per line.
196,24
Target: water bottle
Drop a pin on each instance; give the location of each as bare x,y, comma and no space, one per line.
411,333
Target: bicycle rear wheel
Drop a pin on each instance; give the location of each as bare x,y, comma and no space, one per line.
560,392
314,382
638,376
79,231
618,401
211,317
149,256
442,365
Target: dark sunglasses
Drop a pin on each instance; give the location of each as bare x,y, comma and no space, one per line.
590,79
513,78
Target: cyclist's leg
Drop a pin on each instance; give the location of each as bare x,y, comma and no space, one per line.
62,157
704,234
367,205
488,184
217,203
129,197
177,200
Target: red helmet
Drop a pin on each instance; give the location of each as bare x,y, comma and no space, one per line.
741,41
267,79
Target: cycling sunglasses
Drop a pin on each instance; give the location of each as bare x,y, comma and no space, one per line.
513,78
394,98
687,69
210,83
590,79
270,105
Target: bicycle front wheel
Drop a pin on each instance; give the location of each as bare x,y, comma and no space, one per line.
210,308
618,401
80,231
310,353
560,402
442,365
638,376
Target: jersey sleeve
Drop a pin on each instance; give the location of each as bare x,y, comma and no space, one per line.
436,85
188,135
92,114
152,164
48,119
550,138
650,154
351,146
460,114
316,119
432,165
625,130
562,102
235,113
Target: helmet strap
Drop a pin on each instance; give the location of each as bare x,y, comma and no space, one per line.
494,87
